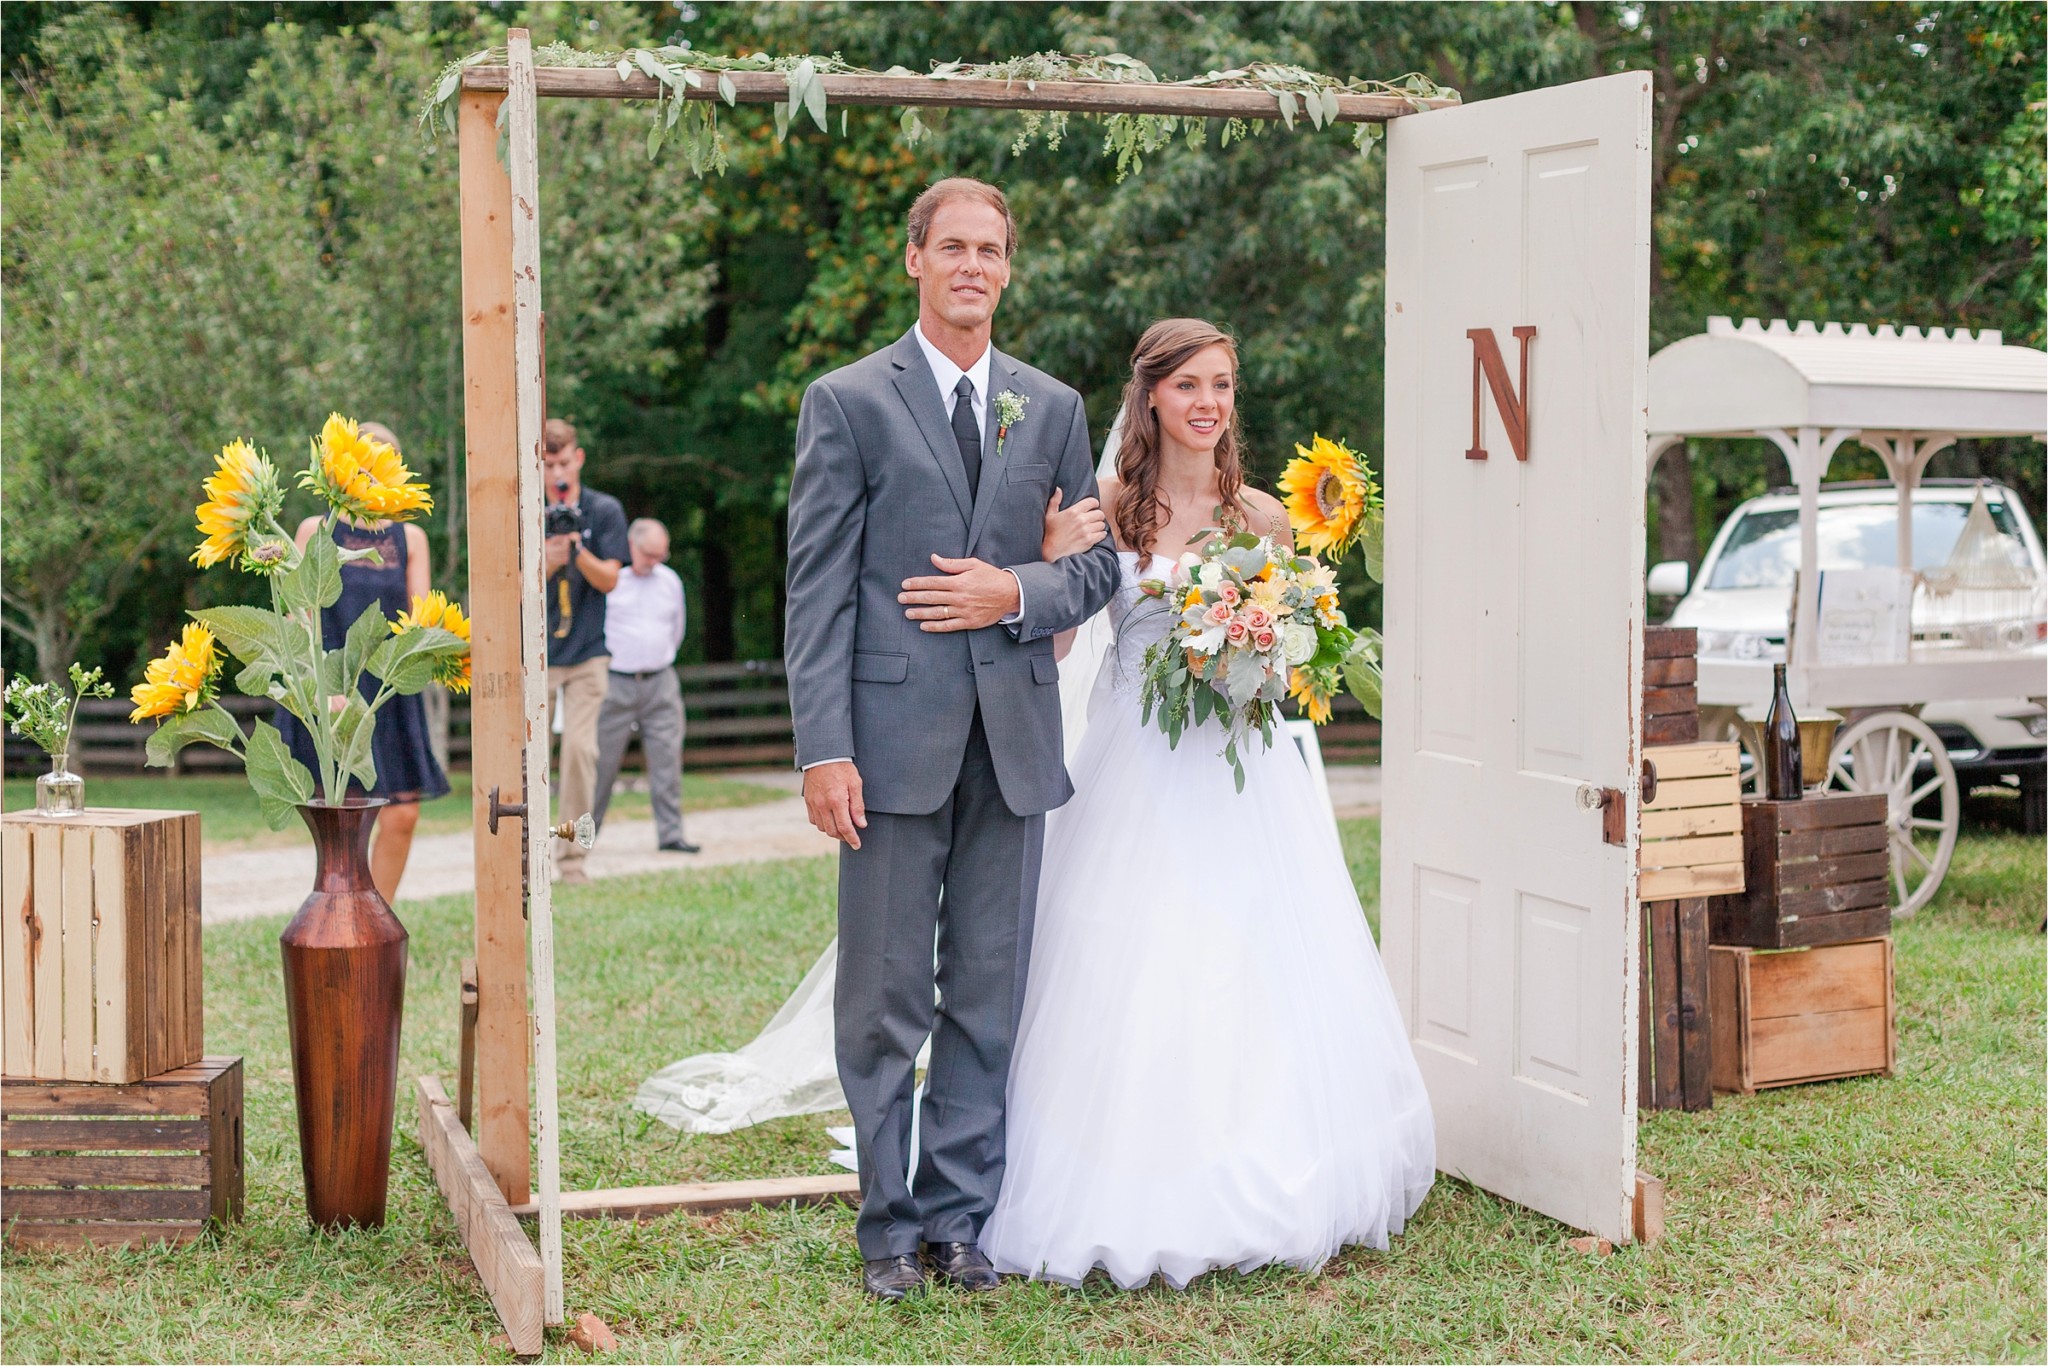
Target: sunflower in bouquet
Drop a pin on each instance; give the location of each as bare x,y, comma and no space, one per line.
280,648
1254,624
1334,505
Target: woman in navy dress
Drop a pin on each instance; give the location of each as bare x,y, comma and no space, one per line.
407,772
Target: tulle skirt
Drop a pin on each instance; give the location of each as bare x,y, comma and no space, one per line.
1210,1069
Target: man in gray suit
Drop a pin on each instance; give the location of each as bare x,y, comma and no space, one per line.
926,701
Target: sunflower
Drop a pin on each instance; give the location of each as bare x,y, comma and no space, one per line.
242,495
361,477
1315,703
1330,494
182,680
435,609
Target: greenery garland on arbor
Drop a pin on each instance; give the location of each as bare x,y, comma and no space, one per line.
694,127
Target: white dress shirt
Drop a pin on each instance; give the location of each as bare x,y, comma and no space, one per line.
948,376
644,620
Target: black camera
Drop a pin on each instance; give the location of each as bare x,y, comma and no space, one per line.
563,519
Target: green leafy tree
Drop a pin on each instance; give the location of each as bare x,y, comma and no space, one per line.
159,301
1875,163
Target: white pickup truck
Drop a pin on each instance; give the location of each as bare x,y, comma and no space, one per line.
1741,602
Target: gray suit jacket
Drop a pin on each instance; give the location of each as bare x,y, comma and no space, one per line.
879,489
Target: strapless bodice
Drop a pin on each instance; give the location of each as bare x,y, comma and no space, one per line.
1138,621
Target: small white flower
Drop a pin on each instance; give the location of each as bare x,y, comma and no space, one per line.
1009,412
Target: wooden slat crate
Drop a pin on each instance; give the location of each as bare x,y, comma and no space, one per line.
100,953
145,1162
1674,1067
1816,872
1692,829
1671,706
1782,1016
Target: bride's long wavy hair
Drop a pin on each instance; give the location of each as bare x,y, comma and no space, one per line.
1166,346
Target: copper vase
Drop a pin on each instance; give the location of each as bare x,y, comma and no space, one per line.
344,989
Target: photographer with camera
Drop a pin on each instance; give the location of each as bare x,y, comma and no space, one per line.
585,548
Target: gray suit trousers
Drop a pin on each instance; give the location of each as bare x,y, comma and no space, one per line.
652,705
966,873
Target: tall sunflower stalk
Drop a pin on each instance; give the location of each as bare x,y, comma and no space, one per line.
281,648
1334,505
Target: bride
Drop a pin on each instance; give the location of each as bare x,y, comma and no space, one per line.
1210,1069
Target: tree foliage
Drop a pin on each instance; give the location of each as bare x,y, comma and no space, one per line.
218,221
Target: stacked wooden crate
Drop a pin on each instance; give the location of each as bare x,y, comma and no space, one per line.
1815,872
100,951
1671,703
1788,1016
1690,845
149,1161
115,1127
1692,822
1801,968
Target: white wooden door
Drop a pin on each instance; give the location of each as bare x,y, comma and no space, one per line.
1514,619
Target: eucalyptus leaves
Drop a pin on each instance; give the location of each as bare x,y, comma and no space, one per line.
691,122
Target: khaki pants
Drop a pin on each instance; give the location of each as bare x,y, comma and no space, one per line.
581,688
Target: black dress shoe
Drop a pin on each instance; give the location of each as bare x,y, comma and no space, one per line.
962,1265
680,847
892,1278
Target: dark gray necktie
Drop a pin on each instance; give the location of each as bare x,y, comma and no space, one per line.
967,433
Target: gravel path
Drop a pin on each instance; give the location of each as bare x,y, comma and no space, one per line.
242,883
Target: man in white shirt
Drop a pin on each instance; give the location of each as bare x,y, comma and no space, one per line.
643,628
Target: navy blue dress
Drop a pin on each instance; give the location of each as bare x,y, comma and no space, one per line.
406,769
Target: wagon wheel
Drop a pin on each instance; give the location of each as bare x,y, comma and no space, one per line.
1884,753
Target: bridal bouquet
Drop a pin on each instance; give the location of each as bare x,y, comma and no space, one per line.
280,648
1253,625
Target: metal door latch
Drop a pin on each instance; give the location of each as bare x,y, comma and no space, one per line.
1613,811
581,831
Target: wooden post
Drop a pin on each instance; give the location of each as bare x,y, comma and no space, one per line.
505,1262
497,715
524,150
1649,1210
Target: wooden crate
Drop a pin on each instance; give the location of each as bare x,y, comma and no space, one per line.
1692,829
1671,704
144,1162
1815,873
1783,1016
100,953
1674,1053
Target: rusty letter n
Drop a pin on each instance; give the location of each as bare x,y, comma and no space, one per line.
1513,407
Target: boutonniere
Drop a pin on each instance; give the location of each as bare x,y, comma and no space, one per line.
1009,412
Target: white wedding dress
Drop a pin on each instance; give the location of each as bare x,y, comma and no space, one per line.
1211,1070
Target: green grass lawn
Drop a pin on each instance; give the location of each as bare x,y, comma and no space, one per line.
1873,1219
229,814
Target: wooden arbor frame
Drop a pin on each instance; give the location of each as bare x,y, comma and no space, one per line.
489,1181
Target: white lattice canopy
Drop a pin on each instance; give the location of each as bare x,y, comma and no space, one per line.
1743,380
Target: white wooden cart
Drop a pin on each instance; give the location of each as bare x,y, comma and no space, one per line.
1907,395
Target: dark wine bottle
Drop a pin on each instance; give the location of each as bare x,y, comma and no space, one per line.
1782,781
